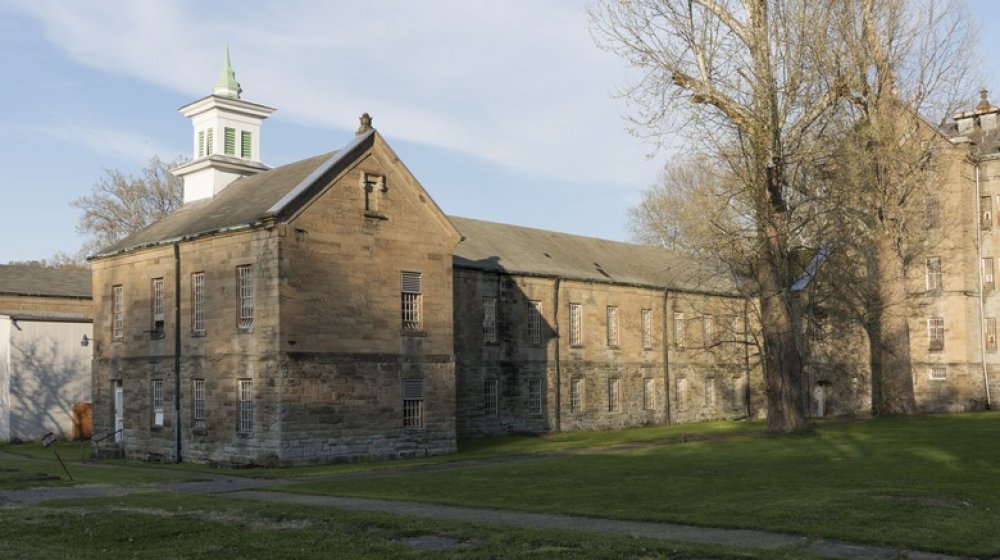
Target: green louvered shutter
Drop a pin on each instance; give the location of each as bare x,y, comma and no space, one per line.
246,144
201,143
209,144
229,145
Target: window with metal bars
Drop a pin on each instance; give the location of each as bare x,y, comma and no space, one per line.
244,282
198,303
117,313
612,325
246,144
679,329
933,273
646,316
246,406
935,334
535,396
157,328
229,141
413,403
199,404
491,397
410,292
939,373
576,395
157,397
575,324
489,320
988,275
990,333
535,322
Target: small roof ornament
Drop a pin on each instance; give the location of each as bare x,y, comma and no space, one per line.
226,85
366,124
984,104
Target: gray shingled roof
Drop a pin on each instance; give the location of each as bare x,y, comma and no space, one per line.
505,248
44,282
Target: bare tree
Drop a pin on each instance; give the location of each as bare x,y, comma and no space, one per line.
749,82
902,59
120,204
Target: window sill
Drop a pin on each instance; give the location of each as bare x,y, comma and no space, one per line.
375,215
199,432
156,428
409,332
244,435
197,334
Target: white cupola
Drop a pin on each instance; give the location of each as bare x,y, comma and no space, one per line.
226,143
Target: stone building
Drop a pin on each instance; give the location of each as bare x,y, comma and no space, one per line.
328,310
45,350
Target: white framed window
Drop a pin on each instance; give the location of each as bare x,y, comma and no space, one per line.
614,395
117,313
535,322
489,320
411,287
244,283
575,324
156,289
246,406
157,398
708,330
939,373
935,333
710,390
198,303
988,274
246,144
933,273
576,395
646,318
990,333
198,404
649,394
491,397
413,403
612,326
679,329
535,396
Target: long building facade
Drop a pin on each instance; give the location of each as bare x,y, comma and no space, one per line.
328,310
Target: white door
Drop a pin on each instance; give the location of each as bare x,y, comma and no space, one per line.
119,410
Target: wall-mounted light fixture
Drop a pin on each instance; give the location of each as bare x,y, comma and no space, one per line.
84,341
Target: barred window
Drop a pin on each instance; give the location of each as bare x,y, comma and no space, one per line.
933,273
576,395
157,397
490,397
117,313
413,403
988,275
535,396
614,398
575,324
199,404
245,294
646,315
410,290
246,406
679,329
935,333
612,325
198,302
990,333
649,394
489,319
157,329
939,373
535,322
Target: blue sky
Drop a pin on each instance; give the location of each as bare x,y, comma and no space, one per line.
503,110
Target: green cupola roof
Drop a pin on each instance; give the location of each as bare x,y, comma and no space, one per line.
226,85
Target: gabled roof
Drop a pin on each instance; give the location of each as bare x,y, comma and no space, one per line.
44,282
497,247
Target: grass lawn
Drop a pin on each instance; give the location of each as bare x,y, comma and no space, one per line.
176,526
929,482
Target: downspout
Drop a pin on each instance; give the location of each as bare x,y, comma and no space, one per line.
982,304
555,329
177,352
666,363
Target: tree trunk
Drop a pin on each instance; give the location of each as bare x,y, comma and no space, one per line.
895,377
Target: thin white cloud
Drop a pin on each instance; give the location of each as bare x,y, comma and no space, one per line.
113,143
516,83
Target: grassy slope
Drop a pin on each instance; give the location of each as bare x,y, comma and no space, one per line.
174,526
926,482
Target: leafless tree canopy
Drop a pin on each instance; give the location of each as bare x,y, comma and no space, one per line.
120,204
